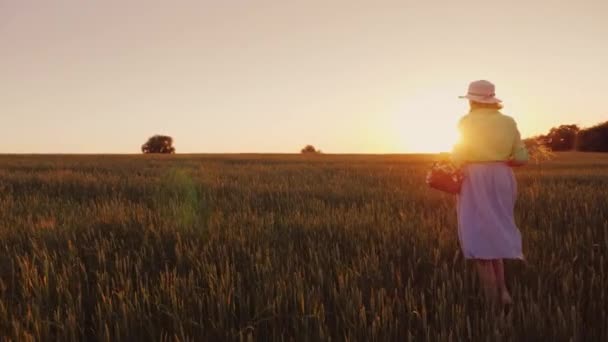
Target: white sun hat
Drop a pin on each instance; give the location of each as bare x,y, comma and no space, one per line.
482,91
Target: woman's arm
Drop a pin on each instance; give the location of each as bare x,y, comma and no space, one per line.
519,154
458,155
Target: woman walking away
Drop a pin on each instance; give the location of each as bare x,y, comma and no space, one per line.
490,145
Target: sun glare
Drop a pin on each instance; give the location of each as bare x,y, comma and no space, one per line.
427,122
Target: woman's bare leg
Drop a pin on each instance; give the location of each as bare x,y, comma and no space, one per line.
499,273
487,277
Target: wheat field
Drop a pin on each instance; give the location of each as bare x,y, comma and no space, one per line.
287,248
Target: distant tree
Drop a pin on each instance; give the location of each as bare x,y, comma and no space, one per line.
309,149
158,144
593,139
562,138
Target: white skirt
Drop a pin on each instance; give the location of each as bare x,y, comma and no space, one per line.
486,226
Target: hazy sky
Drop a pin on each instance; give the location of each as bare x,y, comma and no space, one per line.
97,76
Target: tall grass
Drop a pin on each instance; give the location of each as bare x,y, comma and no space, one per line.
311,248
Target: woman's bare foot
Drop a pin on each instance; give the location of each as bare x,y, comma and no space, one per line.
505,297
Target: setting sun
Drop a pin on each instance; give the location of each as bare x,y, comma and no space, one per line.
427,121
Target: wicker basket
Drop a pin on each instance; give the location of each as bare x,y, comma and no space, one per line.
445,176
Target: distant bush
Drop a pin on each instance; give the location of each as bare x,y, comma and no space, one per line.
593,139
309,149
572,137
562,138
158,144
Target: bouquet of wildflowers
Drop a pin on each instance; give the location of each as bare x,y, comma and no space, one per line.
445,176
538,150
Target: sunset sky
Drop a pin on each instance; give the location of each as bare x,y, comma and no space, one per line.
100,76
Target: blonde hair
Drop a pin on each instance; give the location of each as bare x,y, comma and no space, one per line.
478,105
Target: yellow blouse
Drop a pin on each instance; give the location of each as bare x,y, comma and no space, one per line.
488,135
